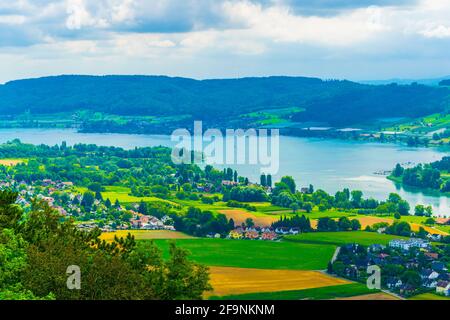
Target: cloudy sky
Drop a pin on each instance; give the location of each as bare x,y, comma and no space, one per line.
354,39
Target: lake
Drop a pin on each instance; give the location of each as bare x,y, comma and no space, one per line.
330,165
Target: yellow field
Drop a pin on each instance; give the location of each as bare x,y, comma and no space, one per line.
416,227
240,215
369,221
230,281
145,234
10,162
373,296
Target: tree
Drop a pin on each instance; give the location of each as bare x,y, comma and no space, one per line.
412,278
294,206
98,196
344,224
249,222
95,187
307,206
403,208
394,198
289,181
269,181
143,208
398,171
263,180
356,198
9,212
356,225
88,200
35,255
419,210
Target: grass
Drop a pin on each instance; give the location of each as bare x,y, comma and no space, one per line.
122,194
341,238
234,281
323,293
445,228
429,296
254,254
145,234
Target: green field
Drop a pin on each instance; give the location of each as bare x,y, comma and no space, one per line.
324,293
340,238
254,254
429,296
122,194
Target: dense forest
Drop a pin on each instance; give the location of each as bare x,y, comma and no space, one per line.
218,102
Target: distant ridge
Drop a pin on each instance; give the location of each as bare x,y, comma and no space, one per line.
337,102
427,82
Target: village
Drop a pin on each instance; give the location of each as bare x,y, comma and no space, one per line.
64,198
408,267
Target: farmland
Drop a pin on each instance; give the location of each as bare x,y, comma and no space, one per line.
234,281
254,254
321,293
371,296
340,238
145,234
240,215
11,162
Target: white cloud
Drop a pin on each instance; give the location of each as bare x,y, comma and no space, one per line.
12,19
437,32
278,36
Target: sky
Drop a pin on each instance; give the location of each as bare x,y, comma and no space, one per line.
356,40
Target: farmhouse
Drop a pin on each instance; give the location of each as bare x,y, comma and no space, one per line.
443,287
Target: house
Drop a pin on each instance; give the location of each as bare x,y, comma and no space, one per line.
431,284
304,190
429,274
443,287
229,183
438,266
431,255
236,234
394,283
434,237
407,289
351,271
282,230
268,235
172,228
47,182
406,245
376,248
251,235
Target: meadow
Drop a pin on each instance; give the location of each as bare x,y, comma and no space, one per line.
341,238
253,253
321,293
122,194
429,296
235,281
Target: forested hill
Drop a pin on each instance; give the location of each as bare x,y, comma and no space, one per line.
334,102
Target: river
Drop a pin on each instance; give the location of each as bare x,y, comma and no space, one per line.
327,164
